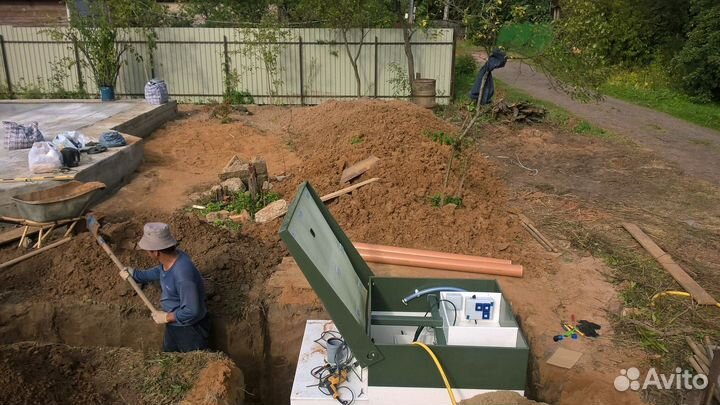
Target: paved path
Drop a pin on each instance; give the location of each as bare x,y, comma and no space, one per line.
694,149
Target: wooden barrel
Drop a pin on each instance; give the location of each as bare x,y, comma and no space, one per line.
423,91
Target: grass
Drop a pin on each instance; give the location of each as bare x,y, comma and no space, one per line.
555,115
660,328
664,99
449,199
239,202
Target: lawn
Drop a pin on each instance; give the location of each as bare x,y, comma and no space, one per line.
664,99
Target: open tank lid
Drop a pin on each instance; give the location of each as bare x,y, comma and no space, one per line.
333,267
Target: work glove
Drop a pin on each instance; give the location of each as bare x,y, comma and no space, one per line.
160,317
127,272
588,328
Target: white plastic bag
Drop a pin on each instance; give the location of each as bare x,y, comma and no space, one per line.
44,158
71,139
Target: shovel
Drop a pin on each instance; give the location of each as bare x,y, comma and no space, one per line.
93,226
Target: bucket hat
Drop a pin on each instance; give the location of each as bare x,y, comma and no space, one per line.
156,236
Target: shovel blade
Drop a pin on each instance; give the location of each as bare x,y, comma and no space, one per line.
92,224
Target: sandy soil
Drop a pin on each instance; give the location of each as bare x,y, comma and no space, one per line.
396,210
187,154
37,373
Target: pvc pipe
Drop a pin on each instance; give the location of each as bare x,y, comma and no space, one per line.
420,293
371,248
509,270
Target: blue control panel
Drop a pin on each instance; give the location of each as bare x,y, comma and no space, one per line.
479,308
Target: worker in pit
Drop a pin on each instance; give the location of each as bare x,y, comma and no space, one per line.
183,293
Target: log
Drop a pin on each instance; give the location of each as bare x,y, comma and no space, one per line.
371,248
691,286
33,253
509,270
357,169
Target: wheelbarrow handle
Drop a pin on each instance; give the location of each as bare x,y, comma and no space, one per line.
93,226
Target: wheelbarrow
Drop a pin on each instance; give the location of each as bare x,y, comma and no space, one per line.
57,206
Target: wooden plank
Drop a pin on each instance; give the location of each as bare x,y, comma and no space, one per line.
691,286
348,189
15,234
330,196
357,169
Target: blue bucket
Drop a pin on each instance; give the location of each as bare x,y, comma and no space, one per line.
107,93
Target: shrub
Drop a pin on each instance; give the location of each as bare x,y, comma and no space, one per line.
698,63
465,65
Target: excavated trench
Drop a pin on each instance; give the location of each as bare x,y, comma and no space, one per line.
74,297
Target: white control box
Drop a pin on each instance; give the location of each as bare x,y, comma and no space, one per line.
474,319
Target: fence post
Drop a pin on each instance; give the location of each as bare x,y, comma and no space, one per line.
452,69
5,65
81,82
226,64
302,79
376,67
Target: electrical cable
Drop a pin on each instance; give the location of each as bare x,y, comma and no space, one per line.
440,370
339,370
675,293
420,293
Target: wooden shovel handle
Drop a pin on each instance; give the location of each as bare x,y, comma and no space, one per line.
120,266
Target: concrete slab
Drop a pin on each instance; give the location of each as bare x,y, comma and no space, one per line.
133,119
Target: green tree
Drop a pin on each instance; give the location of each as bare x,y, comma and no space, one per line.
222,13
101,30
346,15
577,58
698,63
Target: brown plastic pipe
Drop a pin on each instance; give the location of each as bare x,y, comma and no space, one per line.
509,270
370,248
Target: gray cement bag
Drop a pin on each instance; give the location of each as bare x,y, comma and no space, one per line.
156,92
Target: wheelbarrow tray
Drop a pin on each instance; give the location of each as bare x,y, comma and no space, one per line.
69,200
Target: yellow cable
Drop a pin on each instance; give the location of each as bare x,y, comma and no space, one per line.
440,369
675,293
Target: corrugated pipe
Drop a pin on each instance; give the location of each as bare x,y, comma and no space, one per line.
420,293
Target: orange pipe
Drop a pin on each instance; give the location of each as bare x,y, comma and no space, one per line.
509,270
370,248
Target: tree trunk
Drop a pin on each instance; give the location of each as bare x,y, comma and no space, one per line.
446,10
353,60
407,36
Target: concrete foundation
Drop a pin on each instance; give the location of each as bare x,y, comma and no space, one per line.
134,119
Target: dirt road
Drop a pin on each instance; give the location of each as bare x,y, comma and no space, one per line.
692,148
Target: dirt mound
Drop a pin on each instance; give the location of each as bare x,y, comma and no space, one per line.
36,373
230,262
187,154
397,209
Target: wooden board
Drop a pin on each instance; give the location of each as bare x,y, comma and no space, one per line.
15,234
564,358
357,169
691,286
